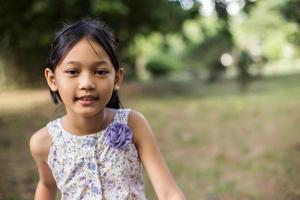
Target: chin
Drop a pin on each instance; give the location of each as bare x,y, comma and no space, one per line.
87,113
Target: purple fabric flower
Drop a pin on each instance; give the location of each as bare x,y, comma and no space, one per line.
119,135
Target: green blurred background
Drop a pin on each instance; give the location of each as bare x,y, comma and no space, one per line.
218,81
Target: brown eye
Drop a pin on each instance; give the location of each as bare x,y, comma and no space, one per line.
101,72
72,72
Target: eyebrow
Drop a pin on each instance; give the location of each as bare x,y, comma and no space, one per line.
79,63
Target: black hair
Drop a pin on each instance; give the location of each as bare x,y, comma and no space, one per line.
70,35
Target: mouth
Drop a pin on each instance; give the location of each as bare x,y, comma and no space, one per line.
86,100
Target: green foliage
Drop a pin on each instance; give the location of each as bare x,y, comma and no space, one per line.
115,6
27,27
206,55
159,66
147,45
290,11
165,50
252,33
192,31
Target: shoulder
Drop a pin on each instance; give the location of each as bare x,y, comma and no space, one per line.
40,143
135,116
136,120
139,126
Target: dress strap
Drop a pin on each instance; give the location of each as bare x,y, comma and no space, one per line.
121,115
52,127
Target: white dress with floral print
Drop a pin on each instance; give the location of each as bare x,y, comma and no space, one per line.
89,167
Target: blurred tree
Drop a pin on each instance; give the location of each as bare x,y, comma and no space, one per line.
159,66
243,63
208,52
143,18
290,11
268,40
26,27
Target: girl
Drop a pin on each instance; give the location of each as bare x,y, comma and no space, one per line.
95,151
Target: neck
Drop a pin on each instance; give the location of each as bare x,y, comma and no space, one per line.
82,125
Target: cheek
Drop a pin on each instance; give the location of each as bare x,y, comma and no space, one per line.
105,89
65,87
107,86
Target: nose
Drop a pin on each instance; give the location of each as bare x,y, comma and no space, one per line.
86,82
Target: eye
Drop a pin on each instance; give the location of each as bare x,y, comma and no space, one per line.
72,72
101,72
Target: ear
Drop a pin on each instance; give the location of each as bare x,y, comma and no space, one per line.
119,79
50,77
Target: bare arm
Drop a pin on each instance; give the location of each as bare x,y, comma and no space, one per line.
39,148
153,161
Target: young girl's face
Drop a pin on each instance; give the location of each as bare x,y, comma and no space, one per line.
85,78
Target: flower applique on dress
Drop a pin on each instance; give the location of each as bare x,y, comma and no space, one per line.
119,135
104,165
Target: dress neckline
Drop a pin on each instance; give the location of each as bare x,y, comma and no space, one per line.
88,134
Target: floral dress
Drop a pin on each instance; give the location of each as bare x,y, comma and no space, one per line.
104,165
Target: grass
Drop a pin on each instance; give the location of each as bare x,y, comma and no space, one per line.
219,143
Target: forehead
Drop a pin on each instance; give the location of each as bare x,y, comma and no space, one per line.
86,50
